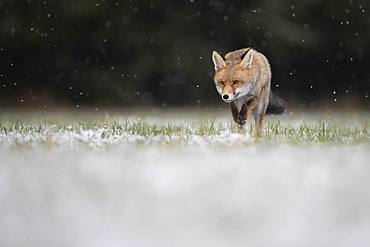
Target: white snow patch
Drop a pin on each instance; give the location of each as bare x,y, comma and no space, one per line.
251,195
99,137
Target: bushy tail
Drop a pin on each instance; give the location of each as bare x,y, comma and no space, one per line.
276,105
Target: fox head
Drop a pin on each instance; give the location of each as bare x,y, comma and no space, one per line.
233,75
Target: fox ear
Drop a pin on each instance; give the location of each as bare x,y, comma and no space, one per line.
247,60
218,61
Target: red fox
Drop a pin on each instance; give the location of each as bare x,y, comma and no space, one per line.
243,80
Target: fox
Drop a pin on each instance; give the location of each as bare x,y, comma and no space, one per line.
243,80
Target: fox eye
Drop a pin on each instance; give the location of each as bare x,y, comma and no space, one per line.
222,83
235,82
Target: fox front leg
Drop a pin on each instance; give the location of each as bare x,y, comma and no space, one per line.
246,109
242,116
237,117
260,110
258,117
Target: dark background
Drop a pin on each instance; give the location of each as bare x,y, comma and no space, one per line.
136,53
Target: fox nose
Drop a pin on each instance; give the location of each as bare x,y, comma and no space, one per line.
225,96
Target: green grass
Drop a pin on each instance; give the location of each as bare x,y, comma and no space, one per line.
301,129
319,132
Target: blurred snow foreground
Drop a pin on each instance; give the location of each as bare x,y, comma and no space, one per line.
151,195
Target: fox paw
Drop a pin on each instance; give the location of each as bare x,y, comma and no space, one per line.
241,120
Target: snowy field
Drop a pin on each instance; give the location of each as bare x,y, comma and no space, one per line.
184,128
172,180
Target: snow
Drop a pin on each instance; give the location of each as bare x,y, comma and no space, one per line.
129,195
99,137
87,185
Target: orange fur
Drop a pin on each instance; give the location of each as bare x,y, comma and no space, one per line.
243,80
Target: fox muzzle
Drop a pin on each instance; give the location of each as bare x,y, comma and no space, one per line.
228,97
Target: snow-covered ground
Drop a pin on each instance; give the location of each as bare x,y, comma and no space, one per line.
150,195
102,137
187,129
